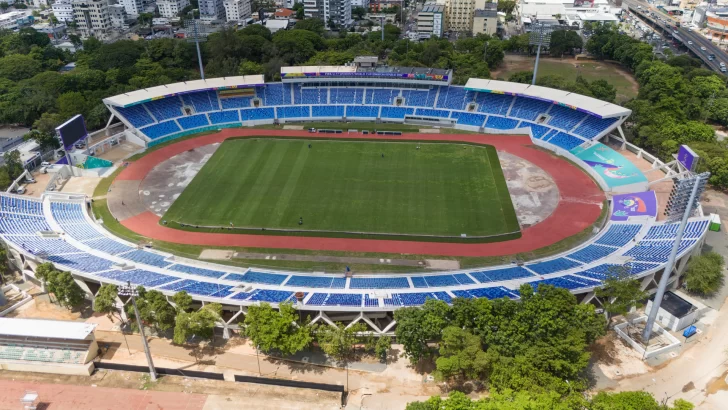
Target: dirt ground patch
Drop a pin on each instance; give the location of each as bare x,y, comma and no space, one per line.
569,68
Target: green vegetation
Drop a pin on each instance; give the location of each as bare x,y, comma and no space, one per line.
523,400
61,284
538,343
620,292
675,99
105,301
373,187
705,273
276,330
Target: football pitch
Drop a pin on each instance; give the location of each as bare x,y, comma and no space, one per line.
343,187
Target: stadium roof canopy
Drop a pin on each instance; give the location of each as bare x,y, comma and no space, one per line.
319,69
576,101
53,329
148,94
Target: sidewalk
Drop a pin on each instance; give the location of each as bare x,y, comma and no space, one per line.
390,389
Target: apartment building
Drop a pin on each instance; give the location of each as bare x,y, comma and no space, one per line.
485,21
337,11
171,8
63,10
92,18
237,10
460,13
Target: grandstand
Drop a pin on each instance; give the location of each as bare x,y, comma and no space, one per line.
93,255
47,346
57,227
559,120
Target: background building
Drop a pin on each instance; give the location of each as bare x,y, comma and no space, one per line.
337,11
460,13
485,21
211,10
431,21
63,10
92,18
237,10
117,14
171,8
132,7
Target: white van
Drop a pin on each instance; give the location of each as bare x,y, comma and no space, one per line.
20,190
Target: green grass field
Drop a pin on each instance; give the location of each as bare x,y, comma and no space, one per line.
440,189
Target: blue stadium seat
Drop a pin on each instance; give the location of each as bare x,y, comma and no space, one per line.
426,112
591,253
273,94
555,265
202,101
327,111
236,102
253,114
565,141
493,103
160,130
396,112
193,121
193,270
222,117
258,277
136,114
496,275
593,126
528,108
339,95
165,108
619,234
335,299
378,283
360,111
139,277
466,118
500,123
490,293
452,98
317,95
565,118
537,131
316,282
295,111
669,231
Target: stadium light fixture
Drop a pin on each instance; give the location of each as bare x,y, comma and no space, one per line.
684,207
199,34
540,37
130,291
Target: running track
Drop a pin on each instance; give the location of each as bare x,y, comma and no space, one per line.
579,206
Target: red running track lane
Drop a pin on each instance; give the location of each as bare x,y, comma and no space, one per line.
579,206
70,397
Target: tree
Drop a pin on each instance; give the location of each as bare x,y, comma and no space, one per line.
61,284
200,324
5,180
461,356
382,347
154,310
16,67
620,292
182,301
564,41
250,68
631,400
358,12
145,18
276,330
704,274
105,301
314,25
340,342
13,163
46,141
506,6
4,5
417,326
300,10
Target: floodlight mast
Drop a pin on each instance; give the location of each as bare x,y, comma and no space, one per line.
538,52
128,290
647,332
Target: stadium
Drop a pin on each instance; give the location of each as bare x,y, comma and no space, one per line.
443,193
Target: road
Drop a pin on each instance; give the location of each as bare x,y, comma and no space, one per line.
684,35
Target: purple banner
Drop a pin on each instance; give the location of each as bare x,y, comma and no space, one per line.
687,157
638,204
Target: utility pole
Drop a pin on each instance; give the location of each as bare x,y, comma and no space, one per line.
129,290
